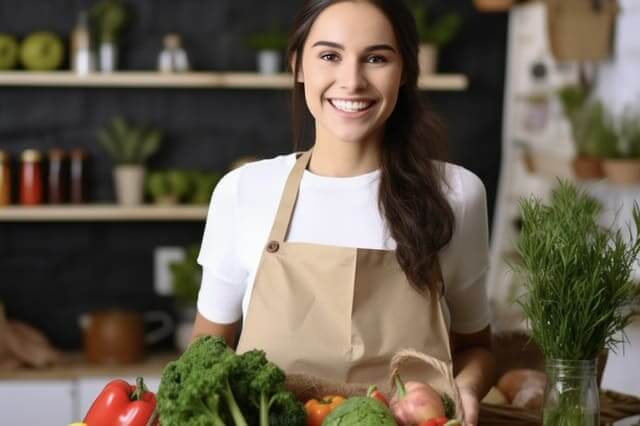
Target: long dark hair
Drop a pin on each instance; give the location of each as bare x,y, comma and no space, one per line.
411,195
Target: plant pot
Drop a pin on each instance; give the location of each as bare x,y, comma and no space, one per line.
108,57
571,395
129,184
493,5
428,59
166,200
622,171
581,30
586,167
269,61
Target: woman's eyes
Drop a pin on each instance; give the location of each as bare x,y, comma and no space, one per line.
372,59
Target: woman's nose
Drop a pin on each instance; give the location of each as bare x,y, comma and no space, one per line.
351,76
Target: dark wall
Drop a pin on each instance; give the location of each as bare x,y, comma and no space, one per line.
52,272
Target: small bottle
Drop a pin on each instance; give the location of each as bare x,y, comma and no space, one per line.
5,179
82,57
78,167
58,176
31,178
173,57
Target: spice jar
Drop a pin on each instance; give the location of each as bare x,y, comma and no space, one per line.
78,176
5,179
57,182
31,178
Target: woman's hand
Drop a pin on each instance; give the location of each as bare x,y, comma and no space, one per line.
470,406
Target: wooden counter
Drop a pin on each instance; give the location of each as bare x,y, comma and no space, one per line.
74,366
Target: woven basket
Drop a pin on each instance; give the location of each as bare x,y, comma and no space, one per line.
613,407
305,387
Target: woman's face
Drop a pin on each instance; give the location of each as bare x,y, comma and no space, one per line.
352,71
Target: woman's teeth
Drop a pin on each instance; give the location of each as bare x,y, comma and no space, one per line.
350,106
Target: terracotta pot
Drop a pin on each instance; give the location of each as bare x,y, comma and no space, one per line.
493,5
428,59
129,184
622,171
118,337
586,167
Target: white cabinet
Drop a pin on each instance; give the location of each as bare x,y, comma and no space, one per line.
87,389
37,402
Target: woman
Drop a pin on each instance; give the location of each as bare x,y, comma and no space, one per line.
336,259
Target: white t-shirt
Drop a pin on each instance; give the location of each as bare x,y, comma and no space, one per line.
339,211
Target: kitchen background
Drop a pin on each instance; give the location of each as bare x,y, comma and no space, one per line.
51,273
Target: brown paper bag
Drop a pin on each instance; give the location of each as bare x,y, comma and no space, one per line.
305,387
581,30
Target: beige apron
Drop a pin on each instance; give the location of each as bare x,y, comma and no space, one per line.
339,313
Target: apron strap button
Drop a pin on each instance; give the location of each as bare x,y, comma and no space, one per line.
273,246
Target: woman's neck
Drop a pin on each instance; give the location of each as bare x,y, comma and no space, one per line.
335,158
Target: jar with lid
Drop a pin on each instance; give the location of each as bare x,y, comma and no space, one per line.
58,176
78,158
5,179
31,192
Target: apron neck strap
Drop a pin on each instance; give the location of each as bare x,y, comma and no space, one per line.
289,197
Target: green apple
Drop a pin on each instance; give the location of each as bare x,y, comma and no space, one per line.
42,51
8,52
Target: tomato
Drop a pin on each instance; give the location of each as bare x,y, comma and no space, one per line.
318,409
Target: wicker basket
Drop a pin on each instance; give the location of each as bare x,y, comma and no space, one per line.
613,407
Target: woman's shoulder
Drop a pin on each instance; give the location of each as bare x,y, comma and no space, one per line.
462,186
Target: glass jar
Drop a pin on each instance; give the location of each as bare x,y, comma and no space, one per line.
57,182
5,179
571,396
78,176
31,192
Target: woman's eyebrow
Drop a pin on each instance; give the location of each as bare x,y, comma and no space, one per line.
341,47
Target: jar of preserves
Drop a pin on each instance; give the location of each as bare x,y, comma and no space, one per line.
31,192
78,176
5,179
58,172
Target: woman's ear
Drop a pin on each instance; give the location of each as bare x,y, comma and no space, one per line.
300,76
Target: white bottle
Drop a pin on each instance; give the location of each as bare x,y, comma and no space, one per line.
82,59
173,57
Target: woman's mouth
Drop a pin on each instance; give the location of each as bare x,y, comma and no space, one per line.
352,107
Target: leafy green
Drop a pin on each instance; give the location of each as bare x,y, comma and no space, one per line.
579,293
360,411
211,385
128,144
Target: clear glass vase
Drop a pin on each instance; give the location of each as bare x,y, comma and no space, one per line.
571,396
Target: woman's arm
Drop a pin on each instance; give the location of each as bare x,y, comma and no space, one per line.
204,327
474,365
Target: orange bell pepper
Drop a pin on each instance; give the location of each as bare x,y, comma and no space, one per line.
318,409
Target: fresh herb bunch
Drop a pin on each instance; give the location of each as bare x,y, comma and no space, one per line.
576,274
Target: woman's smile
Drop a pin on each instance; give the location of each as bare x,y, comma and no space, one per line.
352,108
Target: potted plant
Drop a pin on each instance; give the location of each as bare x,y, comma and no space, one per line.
433,33
169,186
578,295
130,147
624,167
109,17
269,46
582,117
186,277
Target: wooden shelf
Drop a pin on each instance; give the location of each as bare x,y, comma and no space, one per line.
194,80
102,212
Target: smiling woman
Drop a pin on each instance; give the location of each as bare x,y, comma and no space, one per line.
327,258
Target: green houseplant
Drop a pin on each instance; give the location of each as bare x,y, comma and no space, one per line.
186,276
270,46
579,295
109,16
175,186
624,166
129,147
433,33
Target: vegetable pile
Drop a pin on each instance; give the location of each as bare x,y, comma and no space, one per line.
211,385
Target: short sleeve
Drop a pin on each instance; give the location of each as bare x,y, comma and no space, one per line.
223,279
465,260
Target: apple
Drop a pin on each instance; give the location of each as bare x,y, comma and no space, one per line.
42,51
8,52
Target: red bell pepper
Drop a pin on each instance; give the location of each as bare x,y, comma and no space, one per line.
122,404
438,421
